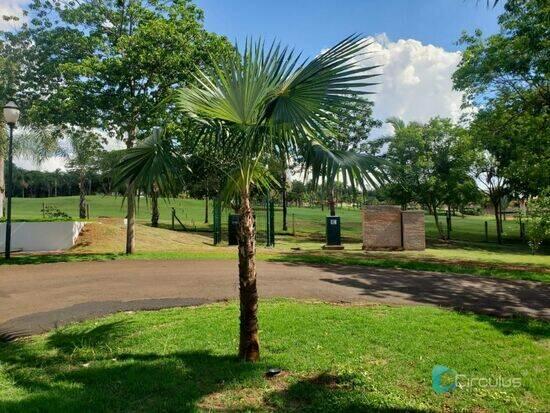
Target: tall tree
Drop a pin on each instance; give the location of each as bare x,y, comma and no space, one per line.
428,162
83,152
507,75
264,102
350,132
114,65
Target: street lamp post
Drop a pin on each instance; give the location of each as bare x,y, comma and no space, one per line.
11,116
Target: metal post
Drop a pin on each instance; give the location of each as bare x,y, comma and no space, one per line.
87,211
43,210
272,223
293,226
9,193
486,231
173,215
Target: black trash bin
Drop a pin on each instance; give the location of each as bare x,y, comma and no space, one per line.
334,240
232,228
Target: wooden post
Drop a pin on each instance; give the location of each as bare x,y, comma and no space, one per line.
87,211
486,231
293,226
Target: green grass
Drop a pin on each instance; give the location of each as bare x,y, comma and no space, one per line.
466,254
308,223
334,358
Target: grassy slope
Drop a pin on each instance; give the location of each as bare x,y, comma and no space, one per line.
334,358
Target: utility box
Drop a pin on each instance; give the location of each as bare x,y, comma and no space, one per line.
333,233
232,228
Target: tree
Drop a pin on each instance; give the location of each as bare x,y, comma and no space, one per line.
114,66
350,132
428,163
538,220
82,155
507,76
264,102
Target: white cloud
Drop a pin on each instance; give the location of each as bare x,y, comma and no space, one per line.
11,8
416,81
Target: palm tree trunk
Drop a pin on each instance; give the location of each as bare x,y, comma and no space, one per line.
155,214
82,202
131,220
131,201
283,194
249,345
332,203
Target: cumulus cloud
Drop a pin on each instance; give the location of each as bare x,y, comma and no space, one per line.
416,83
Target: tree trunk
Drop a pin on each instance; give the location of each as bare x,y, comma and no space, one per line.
155,214
2,186
131,220
82,202
496,206
249,345
131,203
332,203
438,224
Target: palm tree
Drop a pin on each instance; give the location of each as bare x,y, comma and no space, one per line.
267,102
37,144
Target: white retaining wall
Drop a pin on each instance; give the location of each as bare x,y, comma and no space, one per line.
41,236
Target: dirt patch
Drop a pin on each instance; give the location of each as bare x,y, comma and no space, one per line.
108,235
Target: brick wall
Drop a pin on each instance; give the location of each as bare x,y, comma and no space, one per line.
381,227
386,227
414,232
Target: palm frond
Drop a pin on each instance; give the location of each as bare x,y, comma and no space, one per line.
152,161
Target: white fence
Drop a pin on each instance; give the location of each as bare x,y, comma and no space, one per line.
41,236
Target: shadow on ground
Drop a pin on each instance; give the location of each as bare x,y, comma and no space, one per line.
502,298
76,372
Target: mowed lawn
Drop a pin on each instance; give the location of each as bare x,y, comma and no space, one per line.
468,253
307,223
333,358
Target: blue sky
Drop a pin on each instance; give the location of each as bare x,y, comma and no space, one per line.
310,25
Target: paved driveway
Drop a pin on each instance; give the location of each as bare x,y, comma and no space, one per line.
36,298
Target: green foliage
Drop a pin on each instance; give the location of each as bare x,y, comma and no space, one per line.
112,65
508,75
538,220
430,165
53,212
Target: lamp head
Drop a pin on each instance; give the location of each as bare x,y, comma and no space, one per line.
11,113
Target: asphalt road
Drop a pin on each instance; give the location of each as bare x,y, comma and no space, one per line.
37,298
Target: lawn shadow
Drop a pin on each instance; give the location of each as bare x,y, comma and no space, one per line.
328,392
98,380
67,340
24,259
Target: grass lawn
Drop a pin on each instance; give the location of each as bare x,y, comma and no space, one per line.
333,357
308,223
104,239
